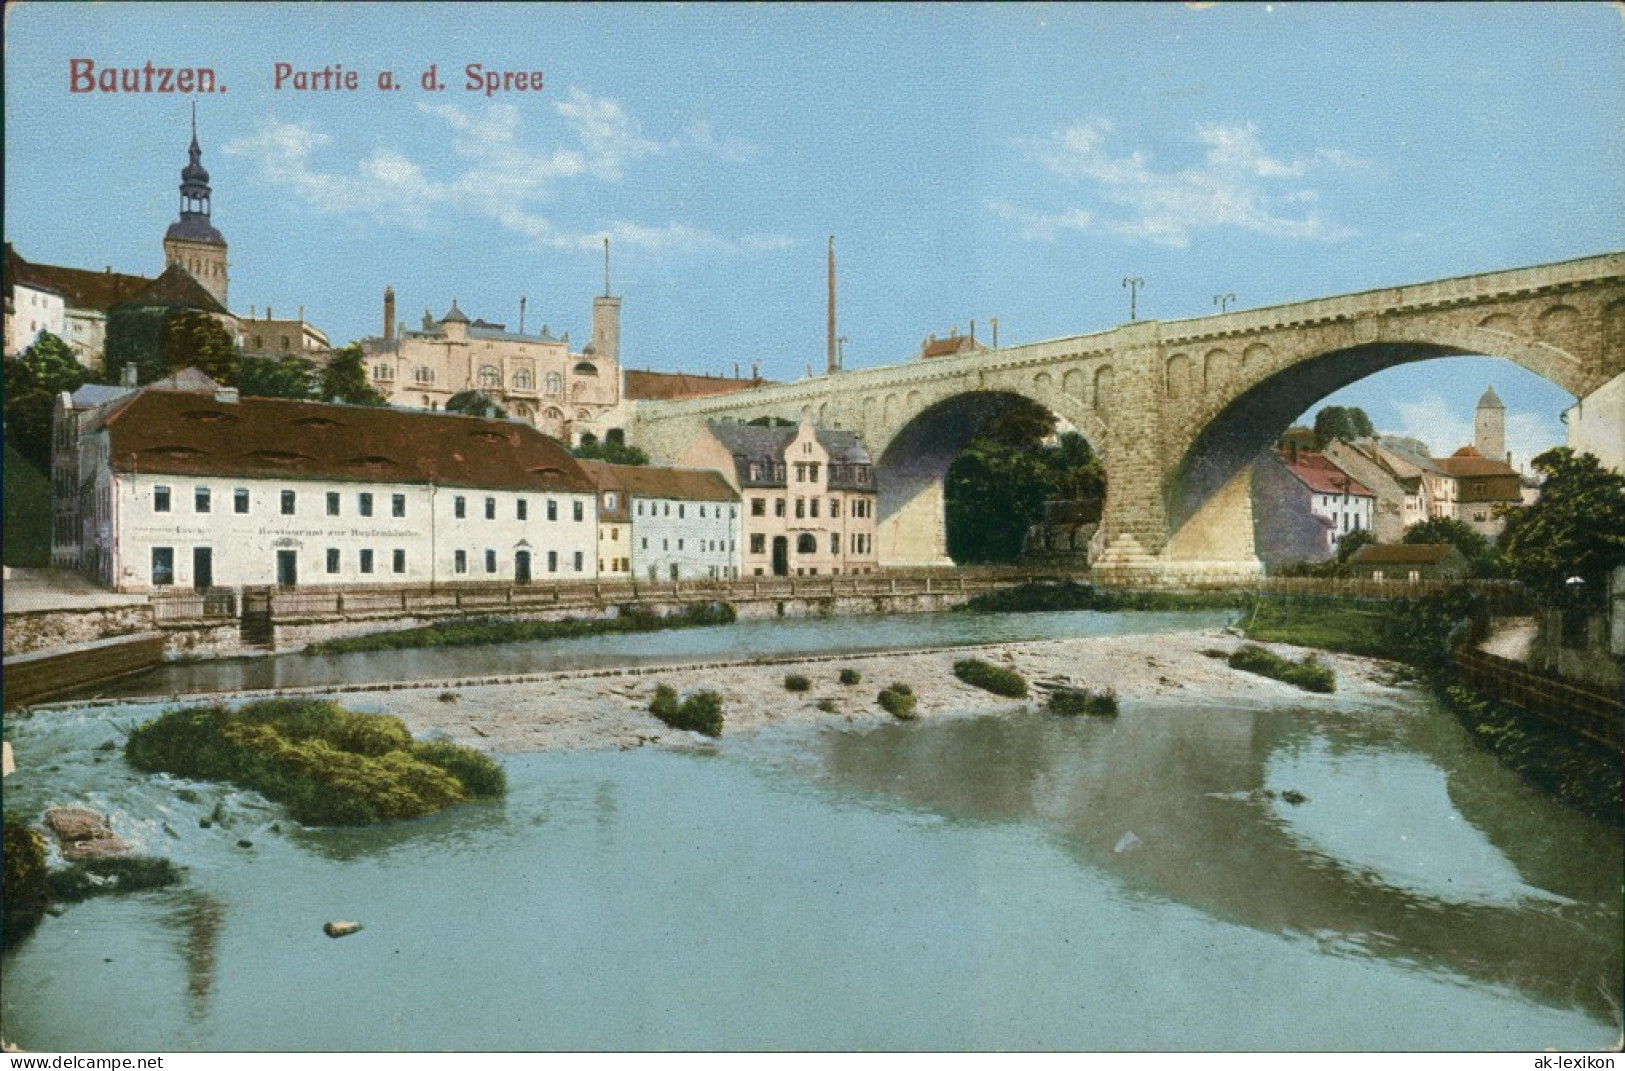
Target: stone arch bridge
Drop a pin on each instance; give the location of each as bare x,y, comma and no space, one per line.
1178,409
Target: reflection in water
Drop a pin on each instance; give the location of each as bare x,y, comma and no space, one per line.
199,920
1192,789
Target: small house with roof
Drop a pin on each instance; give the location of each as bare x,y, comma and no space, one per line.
1409,562
657,523
194,489
808,496
1473,486
1303,506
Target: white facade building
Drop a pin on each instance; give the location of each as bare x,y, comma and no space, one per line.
32,309
666,524
205,490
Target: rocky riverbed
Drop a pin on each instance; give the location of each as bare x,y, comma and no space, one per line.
604,710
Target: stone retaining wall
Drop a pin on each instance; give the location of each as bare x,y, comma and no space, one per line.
27,631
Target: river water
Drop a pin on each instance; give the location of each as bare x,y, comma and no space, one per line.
1017,882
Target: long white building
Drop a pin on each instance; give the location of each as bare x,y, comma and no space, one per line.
666,524
201,490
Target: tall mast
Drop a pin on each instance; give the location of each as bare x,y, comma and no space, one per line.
834,365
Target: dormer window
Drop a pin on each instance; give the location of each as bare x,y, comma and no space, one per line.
585,368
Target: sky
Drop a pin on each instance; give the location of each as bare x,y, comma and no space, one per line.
972,162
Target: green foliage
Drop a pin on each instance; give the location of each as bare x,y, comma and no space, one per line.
851,676
1337,422
277,377
613,452
1069,595
899,701
53,365
1072,702
476,631
27,889
795,682
770,422
1349,545
27,511
1308,673
190,338
1575,529
991,678
700,712
134,336
997,486
328,765
1480,555
475,403
828,706
345,379
33,379
1578,772
126,874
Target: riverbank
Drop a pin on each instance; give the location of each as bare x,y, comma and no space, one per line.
611,708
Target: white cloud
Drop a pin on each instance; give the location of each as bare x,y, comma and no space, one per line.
1446,427
1236,185
497,175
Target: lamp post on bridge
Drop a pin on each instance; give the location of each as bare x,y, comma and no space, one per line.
1223,300
1133,282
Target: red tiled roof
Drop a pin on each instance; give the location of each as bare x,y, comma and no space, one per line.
1469,462
81,289
651,481
669,386
951,346
1322,477
185,434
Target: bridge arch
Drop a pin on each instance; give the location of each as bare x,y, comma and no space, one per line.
912,466
1201,489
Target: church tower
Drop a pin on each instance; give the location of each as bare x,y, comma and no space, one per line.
1490,427
191,242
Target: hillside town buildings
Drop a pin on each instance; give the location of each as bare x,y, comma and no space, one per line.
808,496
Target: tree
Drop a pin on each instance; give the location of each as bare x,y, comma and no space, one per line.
1575,529
345,379
1337,422
53,364
194,339
1349,544
134,336
1474,547
33,379
277,377
475,403
616,453
770,422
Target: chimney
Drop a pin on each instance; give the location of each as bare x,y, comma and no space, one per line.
973,330
389,314
267,312
833,367
132,378
253,311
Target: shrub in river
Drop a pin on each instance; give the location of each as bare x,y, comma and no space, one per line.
1075,701
326,764
448,697
898,700
1307,673
93,877
700,712
795,682
472,631
27,890
828,706
851,676
991,678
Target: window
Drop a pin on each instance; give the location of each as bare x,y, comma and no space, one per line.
834,507
758,543
383,371
363,503
490,508
490,378
459,507
490,561
801,508
640,509
332,503
552,510
459,561
552,561
609,500
812,507
522,380
580,511
835,542
366,561
733,511
579,559
397,562
755,471
332,559
555,386
812,471
645,542
424,375
239,500
397,505
679,544
160,500
679,511
290,502
200,500
806,543
163,565
778,507
521,508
